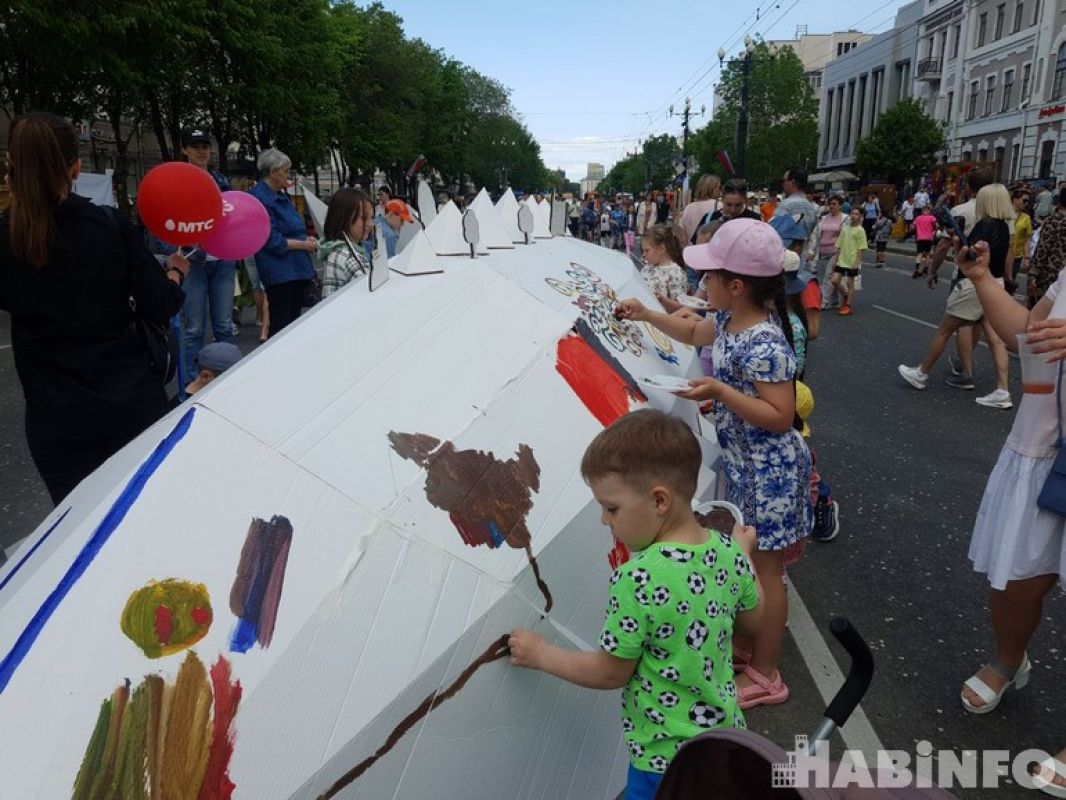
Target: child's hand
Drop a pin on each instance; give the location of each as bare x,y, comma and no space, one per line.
744,536
526,648
631,309
703,389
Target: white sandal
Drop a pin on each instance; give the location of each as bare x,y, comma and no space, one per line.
1057,768
1016,679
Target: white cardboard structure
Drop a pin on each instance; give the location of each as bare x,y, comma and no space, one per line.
541,219
383,602
445,233
507,208
417,258
493,235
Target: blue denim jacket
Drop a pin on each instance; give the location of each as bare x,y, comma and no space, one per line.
276,263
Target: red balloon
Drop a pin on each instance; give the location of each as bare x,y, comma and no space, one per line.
179,203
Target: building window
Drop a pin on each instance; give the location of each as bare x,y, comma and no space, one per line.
1060,74
955,42
1008,90
1015,167
1036,12
982,29
840,48
951,103
982,154
1001,15
828,118
1027,72
971,108
1019,9
1000,152
990,92
1047,152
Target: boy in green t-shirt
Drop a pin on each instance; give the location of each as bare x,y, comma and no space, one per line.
672,608
850,244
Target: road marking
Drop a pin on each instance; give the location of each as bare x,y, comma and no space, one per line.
980,342
857,733
906,316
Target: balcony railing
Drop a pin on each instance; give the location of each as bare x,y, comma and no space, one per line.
929,69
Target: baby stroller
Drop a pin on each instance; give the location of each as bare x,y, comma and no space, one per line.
740,764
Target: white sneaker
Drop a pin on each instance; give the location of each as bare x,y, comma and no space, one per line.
914,376
997,399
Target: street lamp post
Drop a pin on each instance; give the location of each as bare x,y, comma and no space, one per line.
744,63
686,115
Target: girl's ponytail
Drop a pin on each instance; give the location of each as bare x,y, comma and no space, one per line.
41,150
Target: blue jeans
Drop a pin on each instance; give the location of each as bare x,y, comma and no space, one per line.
641,785
208,284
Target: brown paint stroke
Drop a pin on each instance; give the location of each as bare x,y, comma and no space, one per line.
487,500
497,650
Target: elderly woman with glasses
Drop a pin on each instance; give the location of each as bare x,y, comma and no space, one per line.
284,263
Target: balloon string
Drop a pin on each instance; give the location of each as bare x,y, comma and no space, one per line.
186,253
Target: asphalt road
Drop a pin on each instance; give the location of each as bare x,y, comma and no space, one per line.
908,469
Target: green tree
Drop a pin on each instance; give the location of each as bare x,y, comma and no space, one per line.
782,116
902,145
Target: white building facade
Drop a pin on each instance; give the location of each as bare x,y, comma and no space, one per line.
863,83
993,70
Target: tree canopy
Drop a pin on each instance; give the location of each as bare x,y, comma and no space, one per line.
782,117
323,81
652,168
902,145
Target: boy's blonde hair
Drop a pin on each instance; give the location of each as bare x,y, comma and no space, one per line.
646,448
993,202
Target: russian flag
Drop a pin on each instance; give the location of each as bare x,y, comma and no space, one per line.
727,164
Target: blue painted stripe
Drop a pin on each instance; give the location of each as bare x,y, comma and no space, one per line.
243,636
92,548
494,533
25,558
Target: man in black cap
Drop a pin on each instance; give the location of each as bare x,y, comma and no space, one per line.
209,283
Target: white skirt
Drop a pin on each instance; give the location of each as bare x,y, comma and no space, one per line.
1012,538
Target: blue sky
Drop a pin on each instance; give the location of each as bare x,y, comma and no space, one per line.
591,78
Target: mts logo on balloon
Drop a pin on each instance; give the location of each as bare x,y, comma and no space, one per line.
189,227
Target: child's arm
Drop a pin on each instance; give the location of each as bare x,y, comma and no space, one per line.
774,409
591,669
687,331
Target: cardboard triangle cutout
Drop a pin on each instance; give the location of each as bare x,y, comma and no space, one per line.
507,208
427,206
317,209
418,258
445,233
493,235
541,221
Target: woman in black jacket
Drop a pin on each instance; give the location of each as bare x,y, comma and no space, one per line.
68,271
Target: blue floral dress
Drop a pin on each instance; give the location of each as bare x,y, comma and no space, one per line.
767,474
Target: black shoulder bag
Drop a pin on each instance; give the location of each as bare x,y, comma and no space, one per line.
158,341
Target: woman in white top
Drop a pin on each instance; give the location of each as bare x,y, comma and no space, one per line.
1020,547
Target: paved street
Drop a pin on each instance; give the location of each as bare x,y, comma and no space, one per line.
908,469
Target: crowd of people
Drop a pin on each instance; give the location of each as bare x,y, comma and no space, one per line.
696,618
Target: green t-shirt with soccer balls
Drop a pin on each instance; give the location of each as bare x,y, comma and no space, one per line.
672,606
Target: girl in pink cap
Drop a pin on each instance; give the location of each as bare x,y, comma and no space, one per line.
752,389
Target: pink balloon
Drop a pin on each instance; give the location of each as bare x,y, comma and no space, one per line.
242,231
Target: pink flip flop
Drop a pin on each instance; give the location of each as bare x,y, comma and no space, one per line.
741,659
762,692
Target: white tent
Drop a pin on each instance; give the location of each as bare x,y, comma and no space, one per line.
492,231
417,258
297,581
445,233
507,208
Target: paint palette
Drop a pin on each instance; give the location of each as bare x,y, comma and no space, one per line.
691,301
665,383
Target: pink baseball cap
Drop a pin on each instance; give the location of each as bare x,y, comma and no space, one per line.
744,246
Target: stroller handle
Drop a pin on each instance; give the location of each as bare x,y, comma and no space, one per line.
859,675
